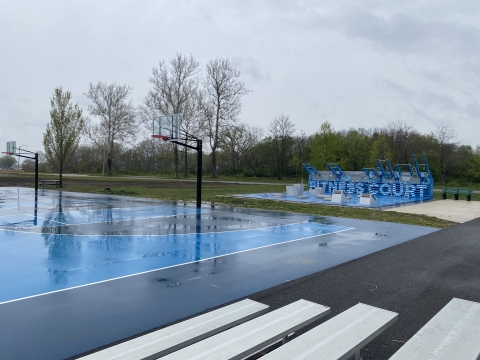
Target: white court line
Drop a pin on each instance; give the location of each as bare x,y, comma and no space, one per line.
161,235
168,267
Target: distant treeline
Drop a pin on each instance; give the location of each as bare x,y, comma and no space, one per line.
244,151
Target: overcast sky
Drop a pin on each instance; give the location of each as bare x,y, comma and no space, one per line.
354,64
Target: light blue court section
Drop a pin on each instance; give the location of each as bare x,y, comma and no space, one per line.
94,216
382,201
35,263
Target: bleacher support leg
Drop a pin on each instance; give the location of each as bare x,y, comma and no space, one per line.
357,354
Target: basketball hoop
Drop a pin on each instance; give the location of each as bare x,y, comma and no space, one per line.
7,152
163,137
166,127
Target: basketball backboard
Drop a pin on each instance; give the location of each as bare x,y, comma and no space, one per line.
11,147
166,127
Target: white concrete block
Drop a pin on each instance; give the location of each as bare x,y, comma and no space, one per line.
300,188
339,196
367,199
292,190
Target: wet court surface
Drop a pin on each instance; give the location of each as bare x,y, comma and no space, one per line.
79,271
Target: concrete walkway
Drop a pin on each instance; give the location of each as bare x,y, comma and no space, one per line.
454,210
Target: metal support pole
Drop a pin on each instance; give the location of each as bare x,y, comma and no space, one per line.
36,174
199,173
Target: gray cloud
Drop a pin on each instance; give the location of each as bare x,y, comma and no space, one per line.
251,67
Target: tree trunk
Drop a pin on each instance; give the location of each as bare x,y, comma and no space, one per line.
185,170
109,165
214,164
60,177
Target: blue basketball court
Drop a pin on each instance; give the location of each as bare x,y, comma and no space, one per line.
80,271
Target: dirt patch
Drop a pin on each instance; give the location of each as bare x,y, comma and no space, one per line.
11,180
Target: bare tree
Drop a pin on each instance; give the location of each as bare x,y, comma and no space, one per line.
301,143
238,140
174,91
62,135
444,134
117,117
220,102
400,135
281,131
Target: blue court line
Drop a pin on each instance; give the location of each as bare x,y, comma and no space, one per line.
34,264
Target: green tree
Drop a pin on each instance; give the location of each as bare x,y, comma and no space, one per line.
473,166
325,146
62,136
379,150
7,161
355,149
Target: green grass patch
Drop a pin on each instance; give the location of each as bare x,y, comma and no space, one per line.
163,188
221,194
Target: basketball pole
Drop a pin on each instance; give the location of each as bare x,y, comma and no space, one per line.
199,173
23,155
36,174
170,124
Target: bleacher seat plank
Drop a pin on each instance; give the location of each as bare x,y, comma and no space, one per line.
250,337
177,336
338,338
453,333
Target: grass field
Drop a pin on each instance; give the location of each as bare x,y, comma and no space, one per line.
219,193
